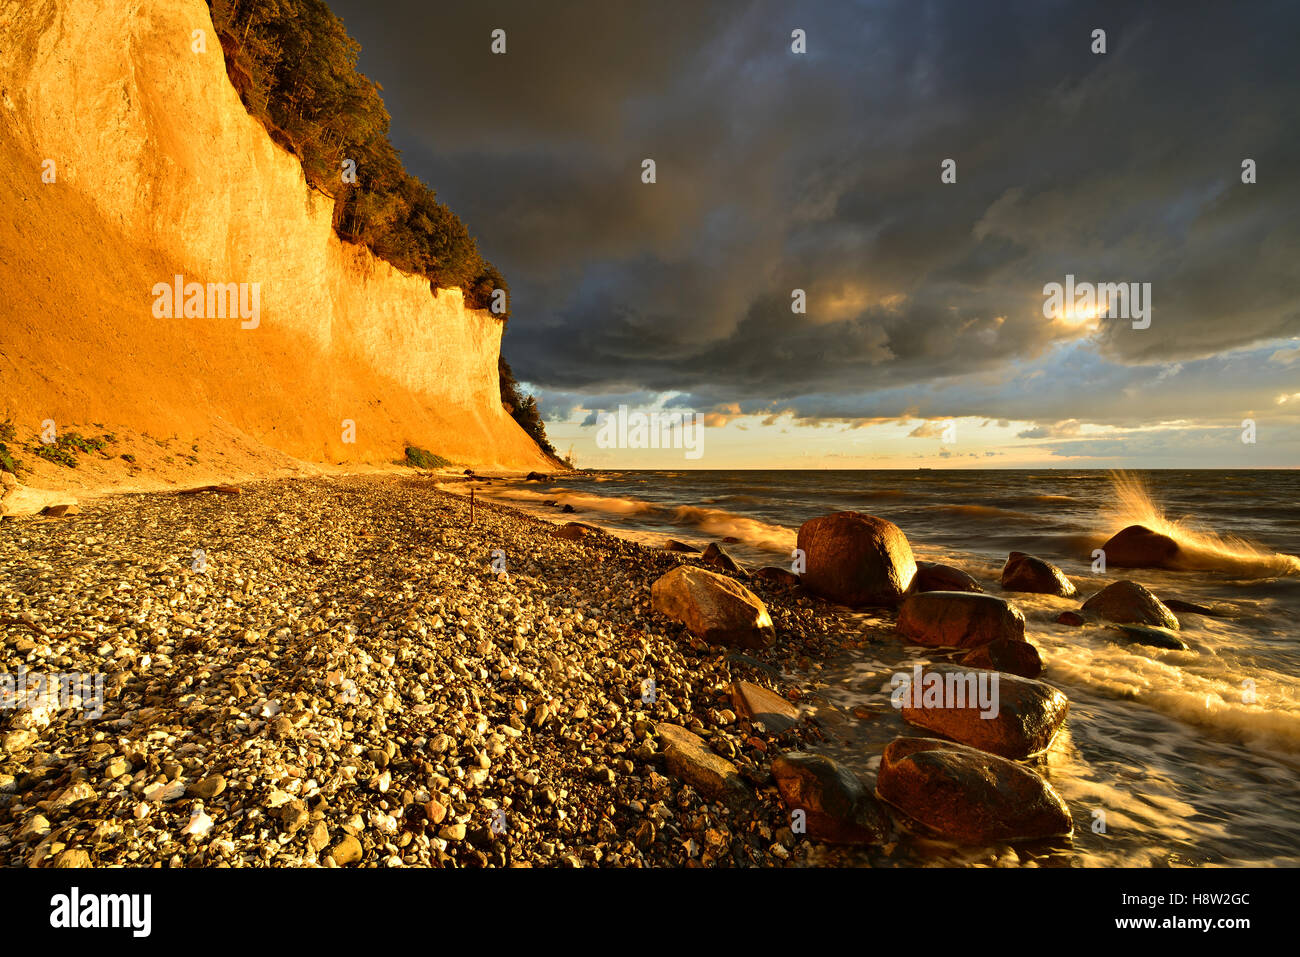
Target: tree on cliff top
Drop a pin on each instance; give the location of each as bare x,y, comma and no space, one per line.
295,68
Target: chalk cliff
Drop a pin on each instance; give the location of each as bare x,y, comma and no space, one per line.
159,171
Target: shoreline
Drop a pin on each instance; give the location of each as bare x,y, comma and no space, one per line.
491,719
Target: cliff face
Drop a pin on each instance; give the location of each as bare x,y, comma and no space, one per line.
159,171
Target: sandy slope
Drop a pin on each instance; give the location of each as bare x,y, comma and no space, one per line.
160,171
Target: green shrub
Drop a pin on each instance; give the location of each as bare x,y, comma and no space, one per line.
522,408
424,459
7,462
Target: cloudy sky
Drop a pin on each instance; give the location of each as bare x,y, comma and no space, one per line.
924,340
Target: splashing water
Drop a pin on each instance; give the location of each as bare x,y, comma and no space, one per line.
1201,549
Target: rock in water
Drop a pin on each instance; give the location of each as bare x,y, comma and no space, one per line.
713,607
759,704
1139,547
933,576
1011,717
718,557
689,759
1014,657
838,808
967,795
1127,602
856,559
1150,635
958,619
1029,574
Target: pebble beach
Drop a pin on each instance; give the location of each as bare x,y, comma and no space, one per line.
347,672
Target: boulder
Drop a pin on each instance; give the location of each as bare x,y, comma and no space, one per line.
932,576
672,545
1127,602
856,559
1072,618
536,477
689,759
758,704
1029,574
568,509
572,531
1149,635
720,558
958,619
1139,547
713,607
838,808
1003,714
58,511
969,796
1014,657
781,577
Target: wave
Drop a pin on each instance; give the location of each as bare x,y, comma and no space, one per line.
722,523
1201,549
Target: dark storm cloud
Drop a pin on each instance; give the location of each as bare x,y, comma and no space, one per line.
821,172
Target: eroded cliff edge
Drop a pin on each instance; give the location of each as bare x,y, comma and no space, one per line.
159,171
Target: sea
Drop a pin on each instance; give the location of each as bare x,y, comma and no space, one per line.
1168,758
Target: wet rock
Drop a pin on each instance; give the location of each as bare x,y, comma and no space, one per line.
1029,574
720,558
713,607
689,759
1180,606
1013,657
1000,713
967,795
672,545
838,808
536,477
1139,547
568,509
1072,618
1127,602
780,577
934,576
856,559
1151,635
759,704
954,619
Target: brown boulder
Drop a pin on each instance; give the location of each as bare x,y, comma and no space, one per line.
572,531
1000,713
856,559
689,759
1072,618
673,545
958,619
1014,657
1029,574
713,607
969,796
777,576
933,576
838,808
719,557
1127,602
1139,547
759,704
